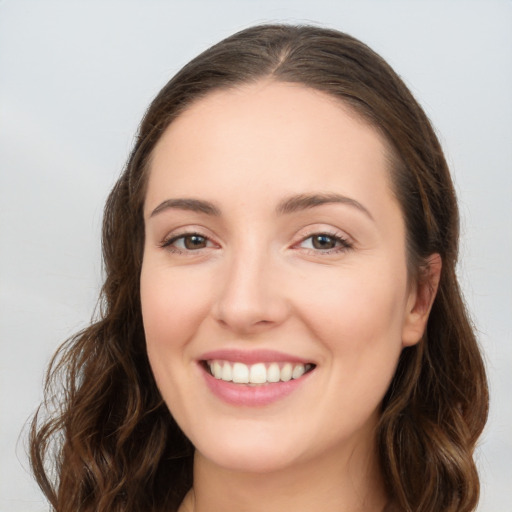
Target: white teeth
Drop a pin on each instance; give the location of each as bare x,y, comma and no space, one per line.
227,372
217,370
273,373
298,371
240,373
286,372
259,373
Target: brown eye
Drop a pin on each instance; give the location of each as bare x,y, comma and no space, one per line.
323,242
192,242
187,242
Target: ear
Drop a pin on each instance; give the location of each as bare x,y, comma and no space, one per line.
420,300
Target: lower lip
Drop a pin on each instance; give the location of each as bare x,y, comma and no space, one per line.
252,395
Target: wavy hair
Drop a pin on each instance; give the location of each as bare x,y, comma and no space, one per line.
105,441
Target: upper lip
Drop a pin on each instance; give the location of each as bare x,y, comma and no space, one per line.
252,356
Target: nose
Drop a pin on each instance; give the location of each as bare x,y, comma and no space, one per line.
251,297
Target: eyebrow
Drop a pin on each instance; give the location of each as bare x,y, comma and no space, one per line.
290,205
306,201
194,205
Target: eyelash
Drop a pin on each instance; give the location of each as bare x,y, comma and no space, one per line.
343,244
168,242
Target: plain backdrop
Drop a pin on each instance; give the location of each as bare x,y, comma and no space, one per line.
75,79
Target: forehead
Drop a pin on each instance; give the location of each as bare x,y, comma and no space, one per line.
272,138
304,106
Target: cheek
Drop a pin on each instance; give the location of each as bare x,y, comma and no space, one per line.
173,307
358,317
356,301
172,303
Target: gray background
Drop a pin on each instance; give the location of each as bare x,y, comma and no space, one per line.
75,78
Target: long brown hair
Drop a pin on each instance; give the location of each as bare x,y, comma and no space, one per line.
109,443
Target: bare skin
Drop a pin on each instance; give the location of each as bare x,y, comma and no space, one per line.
271,226
277,491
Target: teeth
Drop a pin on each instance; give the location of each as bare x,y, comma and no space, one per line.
227,372
240,373
259,373
273,373
217,370
298,371
286,372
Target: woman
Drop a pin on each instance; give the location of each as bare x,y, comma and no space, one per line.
281,323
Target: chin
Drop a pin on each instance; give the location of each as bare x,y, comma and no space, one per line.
250,461
251,452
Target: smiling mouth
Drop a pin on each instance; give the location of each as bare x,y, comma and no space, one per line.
256,374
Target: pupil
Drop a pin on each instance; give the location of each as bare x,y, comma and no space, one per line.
195,242
323,242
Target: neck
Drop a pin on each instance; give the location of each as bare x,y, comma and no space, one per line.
350,483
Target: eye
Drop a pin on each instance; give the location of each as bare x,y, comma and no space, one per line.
325,242
187,242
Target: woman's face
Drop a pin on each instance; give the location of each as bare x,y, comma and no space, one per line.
275,253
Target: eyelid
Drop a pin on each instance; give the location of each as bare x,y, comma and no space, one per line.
179,233
346,242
